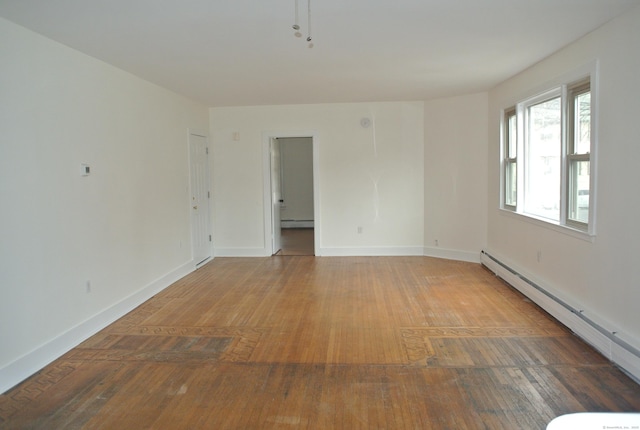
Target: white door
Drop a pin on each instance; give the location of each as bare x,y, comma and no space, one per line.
276,196
200,219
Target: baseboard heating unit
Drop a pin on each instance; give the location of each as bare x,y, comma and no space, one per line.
608,342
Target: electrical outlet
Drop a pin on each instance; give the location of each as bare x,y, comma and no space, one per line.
359,229
436,242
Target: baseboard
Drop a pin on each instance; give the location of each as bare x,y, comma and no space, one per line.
608,342
242,252
372,252
27,365
296,224
379,251
452,254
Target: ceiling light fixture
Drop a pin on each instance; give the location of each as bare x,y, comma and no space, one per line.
296,25
309,23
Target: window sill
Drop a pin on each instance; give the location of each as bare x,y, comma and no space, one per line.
550,225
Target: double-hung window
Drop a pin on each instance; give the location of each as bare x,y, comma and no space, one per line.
542,153
579,154
510,159
546,166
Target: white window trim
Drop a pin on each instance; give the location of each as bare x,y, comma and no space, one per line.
522,111
568,157
546,91
505,159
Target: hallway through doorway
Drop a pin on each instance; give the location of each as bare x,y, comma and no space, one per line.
296,241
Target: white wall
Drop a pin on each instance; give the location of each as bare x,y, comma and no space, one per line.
125,228
455,164
599,277
368,177
296,165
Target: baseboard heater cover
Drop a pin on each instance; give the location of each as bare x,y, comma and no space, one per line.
289,223
607,342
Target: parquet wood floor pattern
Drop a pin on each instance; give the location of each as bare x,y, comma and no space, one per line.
325,343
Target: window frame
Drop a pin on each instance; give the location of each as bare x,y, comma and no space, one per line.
525,107
509,159
572,157
568,87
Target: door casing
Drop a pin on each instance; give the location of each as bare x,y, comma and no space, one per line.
276,195
267,138
199,198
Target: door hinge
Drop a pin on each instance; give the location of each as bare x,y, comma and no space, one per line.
208,194
209,238
207,150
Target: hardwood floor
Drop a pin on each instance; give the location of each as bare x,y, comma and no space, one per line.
296,241
325,343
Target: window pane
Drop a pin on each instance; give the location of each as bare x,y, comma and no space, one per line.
543,159
512,138
579,191
510,181
582,121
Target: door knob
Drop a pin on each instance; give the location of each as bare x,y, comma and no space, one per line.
195,207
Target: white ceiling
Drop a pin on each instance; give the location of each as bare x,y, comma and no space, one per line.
243,52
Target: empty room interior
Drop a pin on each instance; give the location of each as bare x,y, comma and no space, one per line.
319,214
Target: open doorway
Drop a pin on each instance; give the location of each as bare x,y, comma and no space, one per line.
296,241
292,195
297,205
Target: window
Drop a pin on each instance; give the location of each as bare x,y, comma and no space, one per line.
579,154
547,143
543,143
510,159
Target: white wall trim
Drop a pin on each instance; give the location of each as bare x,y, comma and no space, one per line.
266,174
608,342
242,252
297,224
25,366
381,251
451,254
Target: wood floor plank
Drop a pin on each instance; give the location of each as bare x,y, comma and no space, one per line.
317,343
296,241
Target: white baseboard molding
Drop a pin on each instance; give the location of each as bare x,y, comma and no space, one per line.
452,254
382,251
242,252
609,343
20,369
296,224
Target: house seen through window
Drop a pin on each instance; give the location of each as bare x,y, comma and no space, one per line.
546,156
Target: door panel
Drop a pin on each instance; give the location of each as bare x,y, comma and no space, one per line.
276,196
200,219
